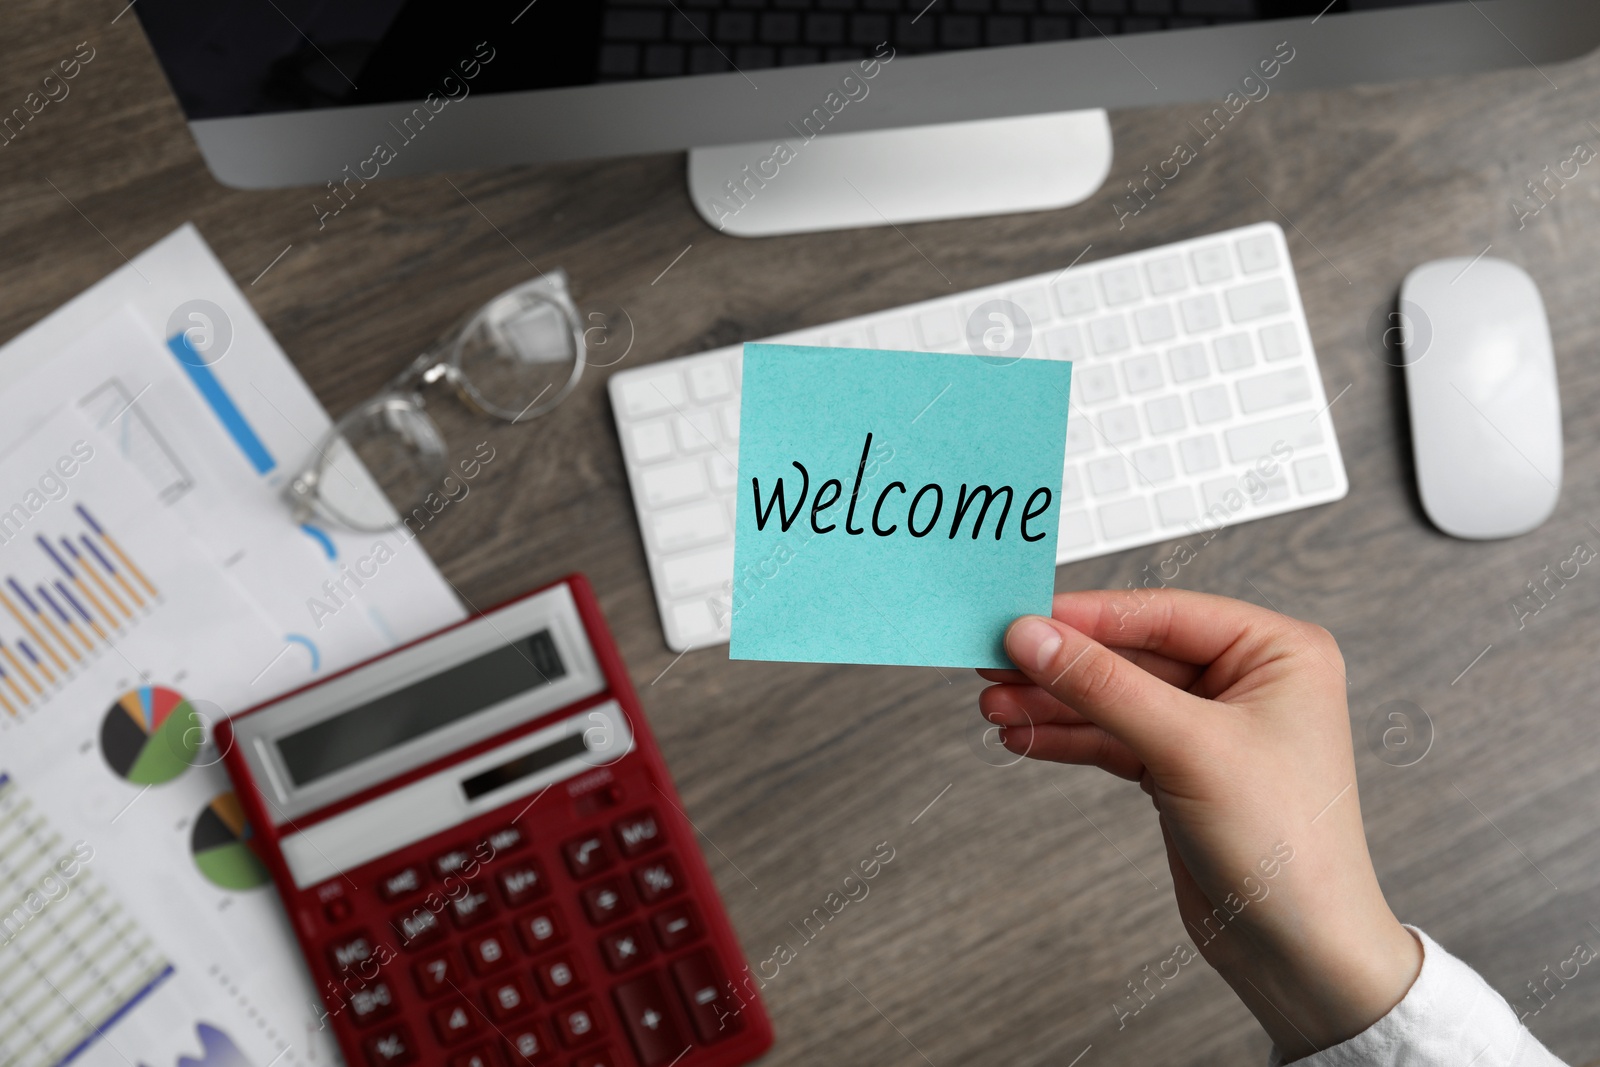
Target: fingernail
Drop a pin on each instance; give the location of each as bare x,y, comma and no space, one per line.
1032,641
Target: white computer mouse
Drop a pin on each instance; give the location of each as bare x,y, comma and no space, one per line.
1485,411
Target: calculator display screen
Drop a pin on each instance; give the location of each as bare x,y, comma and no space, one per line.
457,693
524,765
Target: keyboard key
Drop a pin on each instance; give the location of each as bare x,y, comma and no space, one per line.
1154,324
698,571
452,862
658,880
1080,435
1165,415
1109,335
1093,384
654,395
475,1057
1120,425
1215,495
578,1024
418,928
470,908
1035,303
1212,264
1264,492
1125,518
1211,404
1071,485
730,420
1200,313
489,952
625,948
587,855
541,930
507,999
1249,443
529,1046
1188,362
710,381
938,327
851,339
651,441
455,1021
1314,474
1281,341
351,951
676,925
1076,530
371,1003
391,1048
724,475
1199,454
1234,352
693,623
696,431
1064,342
438,972
1108,475
1258,253
1176,506
674,483
894,334
1166,275
1250,302
558,976
606,901
1267,391
1154,464
521,883
647,1017
637,834
1142,373
689,527
1075,295
1121,286
506,839
401,883
602,1057
700,984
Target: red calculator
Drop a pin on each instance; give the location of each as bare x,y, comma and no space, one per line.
484,858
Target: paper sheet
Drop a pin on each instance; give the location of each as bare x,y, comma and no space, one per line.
894,507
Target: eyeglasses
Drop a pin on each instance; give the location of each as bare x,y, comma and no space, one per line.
515,358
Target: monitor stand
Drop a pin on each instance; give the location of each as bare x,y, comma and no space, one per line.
908,174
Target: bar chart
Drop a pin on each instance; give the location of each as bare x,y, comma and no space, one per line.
66,596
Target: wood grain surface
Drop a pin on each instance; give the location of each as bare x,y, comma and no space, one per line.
1019,904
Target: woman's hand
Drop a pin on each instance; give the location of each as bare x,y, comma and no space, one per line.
1233,718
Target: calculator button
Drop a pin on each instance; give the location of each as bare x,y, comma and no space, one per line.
437,973
578,1025
657,880
676,926
597,1057
700,983
625,948
371,1003
471,908
646,1016
418,927
506,840
607,900
337,910
529,1046
452,862
541,929
474,1057
507,999
390,1048
455,1021
586,855
522,883
558,977
638,834
346,954
401,883
489,952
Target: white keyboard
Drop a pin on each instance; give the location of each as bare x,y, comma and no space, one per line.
1196,402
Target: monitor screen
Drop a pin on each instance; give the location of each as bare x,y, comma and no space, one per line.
249,57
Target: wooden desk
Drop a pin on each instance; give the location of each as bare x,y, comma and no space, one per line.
1012,915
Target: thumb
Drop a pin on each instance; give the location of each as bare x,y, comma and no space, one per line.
1134,706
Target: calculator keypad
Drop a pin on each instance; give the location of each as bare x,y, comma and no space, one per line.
505,978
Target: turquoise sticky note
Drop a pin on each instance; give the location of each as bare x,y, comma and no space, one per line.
894,507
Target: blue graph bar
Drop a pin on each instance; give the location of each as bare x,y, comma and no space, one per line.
222,404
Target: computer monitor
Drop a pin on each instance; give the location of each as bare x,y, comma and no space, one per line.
798,114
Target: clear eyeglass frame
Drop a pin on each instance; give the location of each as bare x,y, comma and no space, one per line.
515,358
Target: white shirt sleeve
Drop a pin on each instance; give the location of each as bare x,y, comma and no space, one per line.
1450,1017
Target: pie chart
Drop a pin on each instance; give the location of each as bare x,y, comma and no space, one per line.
151,735
222,847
